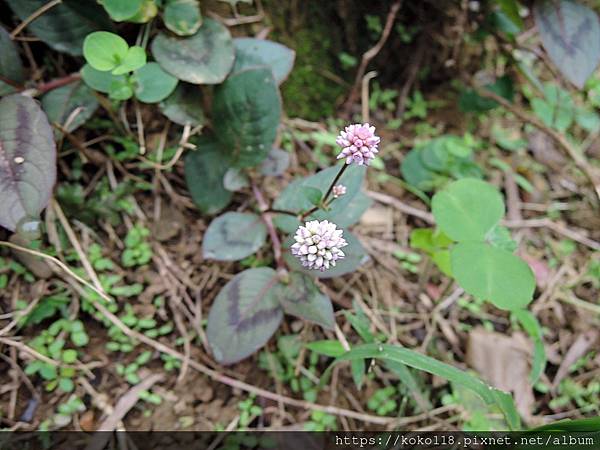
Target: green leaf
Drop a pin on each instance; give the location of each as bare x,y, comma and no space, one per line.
147,12
354,211
153,84
247,111
99,80
534,330
184,105
69,356
571,426
203,58
120,89
253,53
435,244
105,51
471,101
467,209
11,66
511,9
120,10
27,160
313,195
499,236
493,274
233,236
355,257
235,180
293,198
134,59
204,172
330,348
70,106
183,17
419,361
64,26
570,33
244,315
415,172
557,109
276,163
302,298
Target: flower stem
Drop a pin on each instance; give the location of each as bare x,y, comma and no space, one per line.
266,216
327,194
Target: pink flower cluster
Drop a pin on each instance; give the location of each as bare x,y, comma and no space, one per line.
359,144
338,190
318,245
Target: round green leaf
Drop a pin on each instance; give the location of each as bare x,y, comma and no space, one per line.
233,236
99,80
183,17
252,53
104,51
203,58
247,111
244,315
184,105
120,10
27,160
120,89
153,84
415,172
493,274
69,356
467,209
134,59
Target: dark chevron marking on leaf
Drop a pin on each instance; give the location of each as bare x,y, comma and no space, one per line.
302,298
570,33
244,315
233,236
27,160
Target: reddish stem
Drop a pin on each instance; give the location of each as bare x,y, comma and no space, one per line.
58,82
267,219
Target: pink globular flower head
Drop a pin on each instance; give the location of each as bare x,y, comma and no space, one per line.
359,144
318,245
338,190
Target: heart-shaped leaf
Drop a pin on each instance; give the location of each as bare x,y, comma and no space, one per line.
244,315
276,162
467,209
183,17
302,298
247,111
355,253
570,33
64,26
27,160
184,105
104,51
153,84
204,172
233,236
493,274
293,197
70,106
252,53
11,66
203,58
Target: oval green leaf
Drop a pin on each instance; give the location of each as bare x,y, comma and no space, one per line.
467,209
570,33
233,236
204,172
153,84
244,315
247,111
99,80
27,160
203,58
493,274
134,59
183,17
253,53
184,105
64,26
104,51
